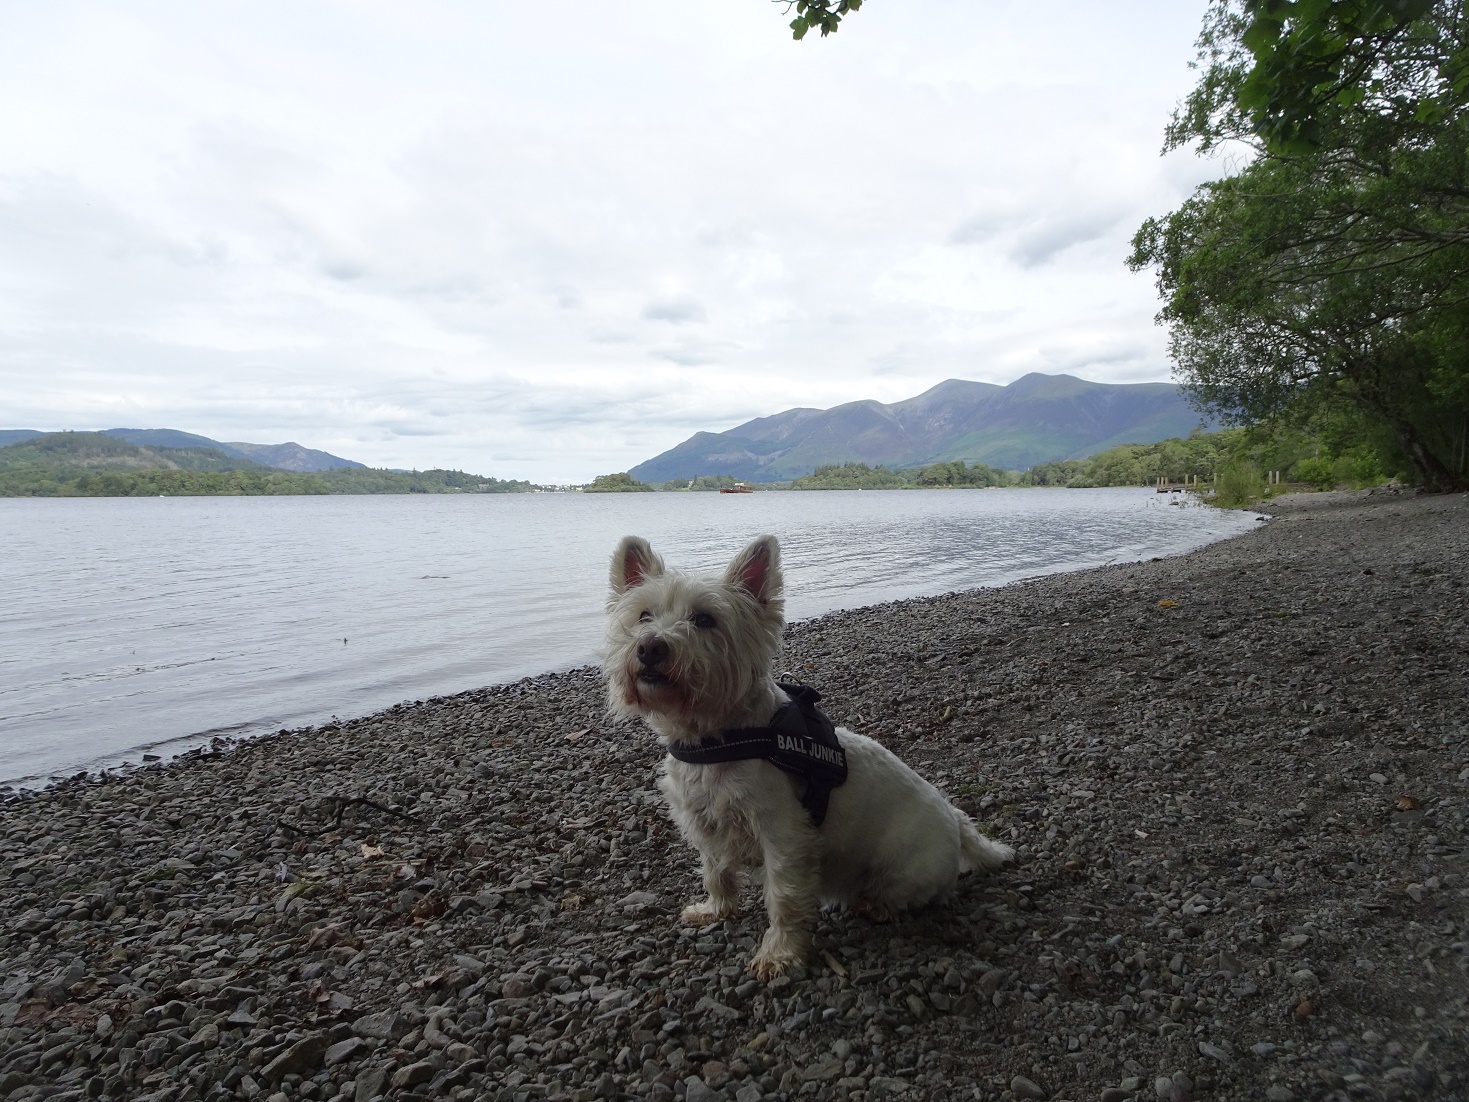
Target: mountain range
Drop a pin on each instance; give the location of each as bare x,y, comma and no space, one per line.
285,457
1036,419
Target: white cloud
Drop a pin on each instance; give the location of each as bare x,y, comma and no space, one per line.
467,235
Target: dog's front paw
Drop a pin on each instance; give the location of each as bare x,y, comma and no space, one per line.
705,913
777,956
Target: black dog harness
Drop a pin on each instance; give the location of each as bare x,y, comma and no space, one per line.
801,740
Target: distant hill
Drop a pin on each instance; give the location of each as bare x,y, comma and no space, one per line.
99,464
71,452
293,457
284,457
1036,419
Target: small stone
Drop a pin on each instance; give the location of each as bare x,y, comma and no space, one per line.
1113,1094
343,1051
413,1074
1263,1049
385,1026
371,1082
518,986
470,964
1378,777
104,1025
706,1005
990,982
696,1090
1163,1086
1022,1087
1214,1052
461,1053
301,1058
1278,1092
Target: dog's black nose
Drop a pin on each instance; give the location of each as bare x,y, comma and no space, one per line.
652,651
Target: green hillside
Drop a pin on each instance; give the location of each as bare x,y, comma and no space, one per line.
94,464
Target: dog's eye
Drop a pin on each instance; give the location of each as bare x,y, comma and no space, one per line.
645,617
703,620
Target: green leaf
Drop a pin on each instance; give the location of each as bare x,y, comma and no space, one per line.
799,26
1262,35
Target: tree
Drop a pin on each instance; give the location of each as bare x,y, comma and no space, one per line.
825,14
1335,266
619,483
1284,71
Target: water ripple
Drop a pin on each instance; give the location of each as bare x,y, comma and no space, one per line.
131,623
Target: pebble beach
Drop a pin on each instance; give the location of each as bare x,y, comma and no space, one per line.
1237,782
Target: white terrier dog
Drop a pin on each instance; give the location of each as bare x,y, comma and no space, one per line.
693,656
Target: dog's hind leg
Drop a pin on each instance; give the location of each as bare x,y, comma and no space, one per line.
722,883
792,876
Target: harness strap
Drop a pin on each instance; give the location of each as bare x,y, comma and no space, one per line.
800,740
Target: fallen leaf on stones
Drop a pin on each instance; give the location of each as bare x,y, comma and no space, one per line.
571,902
371,851
833,964
1167,604
576,736
1141,833
1305,1008
1408,803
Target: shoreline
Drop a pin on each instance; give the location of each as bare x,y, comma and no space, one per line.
1241,819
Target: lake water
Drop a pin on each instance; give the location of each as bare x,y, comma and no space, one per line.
133,624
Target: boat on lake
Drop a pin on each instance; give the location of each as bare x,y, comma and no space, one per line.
737,488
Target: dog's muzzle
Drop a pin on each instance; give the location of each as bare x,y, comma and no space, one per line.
652,654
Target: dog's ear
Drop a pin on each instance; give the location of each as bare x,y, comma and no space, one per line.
633,562
756,569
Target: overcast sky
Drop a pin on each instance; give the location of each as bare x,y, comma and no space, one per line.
550,241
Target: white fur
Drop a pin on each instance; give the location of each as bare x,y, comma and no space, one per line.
693,657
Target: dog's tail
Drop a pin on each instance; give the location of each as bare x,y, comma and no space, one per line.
979,852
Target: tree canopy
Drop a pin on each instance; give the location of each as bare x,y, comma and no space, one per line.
1334,267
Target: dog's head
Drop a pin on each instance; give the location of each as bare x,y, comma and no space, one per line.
691,650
